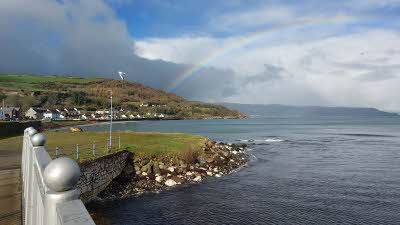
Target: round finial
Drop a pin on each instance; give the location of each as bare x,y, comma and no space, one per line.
32,131
29,128
61,174
38,140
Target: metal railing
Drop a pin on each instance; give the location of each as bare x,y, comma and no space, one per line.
50,196
87,151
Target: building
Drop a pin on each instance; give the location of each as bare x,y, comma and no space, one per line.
51,115
34,113
10,113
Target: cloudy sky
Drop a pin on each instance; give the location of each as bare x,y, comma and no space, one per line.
333,53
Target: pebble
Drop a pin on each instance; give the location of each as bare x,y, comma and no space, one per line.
171,169
144,174
209,173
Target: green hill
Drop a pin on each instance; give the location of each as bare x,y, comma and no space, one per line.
53,92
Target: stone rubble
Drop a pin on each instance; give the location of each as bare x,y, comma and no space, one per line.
155,174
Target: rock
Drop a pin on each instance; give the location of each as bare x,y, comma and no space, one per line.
189,173
215,169
217,175
198,178
234,152
75,129
137,172
201,160
137,168
144,169
210,159
144,174
192,167
209,173
161,165
171,169
178,180
159,179
156,168
170,183
144,162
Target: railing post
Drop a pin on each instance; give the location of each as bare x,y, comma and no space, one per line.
77,151
60,176
57,152
94,148
119,142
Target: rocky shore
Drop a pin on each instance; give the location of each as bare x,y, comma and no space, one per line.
156,174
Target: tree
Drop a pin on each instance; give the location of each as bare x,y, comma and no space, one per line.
13,100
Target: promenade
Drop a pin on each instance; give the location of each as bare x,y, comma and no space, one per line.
10,188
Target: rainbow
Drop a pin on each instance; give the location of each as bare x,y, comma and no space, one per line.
214,55
243,41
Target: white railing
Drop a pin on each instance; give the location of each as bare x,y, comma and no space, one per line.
50,196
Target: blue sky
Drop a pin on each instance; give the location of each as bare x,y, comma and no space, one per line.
333,53
158,18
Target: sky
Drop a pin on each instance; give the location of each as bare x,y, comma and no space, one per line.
329,53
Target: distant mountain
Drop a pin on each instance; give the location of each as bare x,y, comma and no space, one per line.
275,110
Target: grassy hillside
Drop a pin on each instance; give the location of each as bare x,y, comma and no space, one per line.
93,93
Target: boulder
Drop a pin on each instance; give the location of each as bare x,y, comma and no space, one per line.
159,179
171,169
178,179
156,168
197,179
170,183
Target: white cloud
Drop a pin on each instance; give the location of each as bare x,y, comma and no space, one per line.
341,70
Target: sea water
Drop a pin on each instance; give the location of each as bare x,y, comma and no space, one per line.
327,170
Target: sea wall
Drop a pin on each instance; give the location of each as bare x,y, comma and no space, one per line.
97,174
16,128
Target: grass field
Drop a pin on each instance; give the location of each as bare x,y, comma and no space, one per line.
143,144
31,82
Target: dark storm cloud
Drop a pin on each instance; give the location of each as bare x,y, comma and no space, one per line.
84,38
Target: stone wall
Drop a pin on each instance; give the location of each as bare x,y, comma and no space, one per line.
16,128
97,174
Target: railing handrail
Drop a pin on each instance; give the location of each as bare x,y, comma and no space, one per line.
50,196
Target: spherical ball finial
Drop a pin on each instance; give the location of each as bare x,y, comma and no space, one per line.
32,131
38,140
61,174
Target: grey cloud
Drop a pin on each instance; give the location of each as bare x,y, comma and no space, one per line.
85,38
378,75
270,73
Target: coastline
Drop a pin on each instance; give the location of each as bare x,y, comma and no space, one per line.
149,175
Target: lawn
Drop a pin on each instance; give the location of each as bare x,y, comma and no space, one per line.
141,143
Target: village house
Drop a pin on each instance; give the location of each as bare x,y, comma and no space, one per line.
10,113
34,113
51,115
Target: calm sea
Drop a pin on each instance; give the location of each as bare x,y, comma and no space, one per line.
303,171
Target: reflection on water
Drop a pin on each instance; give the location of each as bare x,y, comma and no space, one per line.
322,172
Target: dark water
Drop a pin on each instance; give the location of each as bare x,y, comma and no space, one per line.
305,171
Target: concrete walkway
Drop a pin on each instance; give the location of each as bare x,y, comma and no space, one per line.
10,187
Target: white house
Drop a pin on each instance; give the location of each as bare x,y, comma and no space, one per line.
51,115
34,113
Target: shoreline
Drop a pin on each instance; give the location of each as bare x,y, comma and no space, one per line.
153,175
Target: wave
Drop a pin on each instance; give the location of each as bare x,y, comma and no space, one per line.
260,141
273,140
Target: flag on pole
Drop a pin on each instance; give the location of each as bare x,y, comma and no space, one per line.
120,74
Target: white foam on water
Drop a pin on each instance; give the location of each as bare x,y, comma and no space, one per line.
273,140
